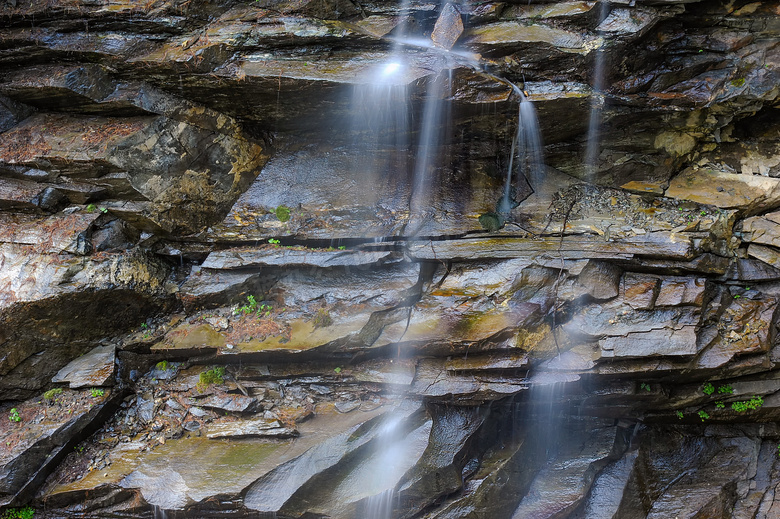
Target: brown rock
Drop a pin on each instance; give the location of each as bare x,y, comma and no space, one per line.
726,190
640,290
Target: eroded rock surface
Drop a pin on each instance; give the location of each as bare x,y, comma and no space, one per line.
272,250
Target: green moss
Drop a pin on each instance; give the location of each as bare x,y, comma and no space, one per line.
27,512
162,365
212,376
322,318
739,82
50,394
283,213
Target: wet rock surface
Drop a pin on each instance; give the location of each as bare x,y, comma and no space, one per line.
262,258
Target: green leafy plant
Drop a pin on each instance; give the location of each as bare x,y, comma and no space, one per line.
264,310
283,213
644,386
26,512
703,415
725,390
753,403
679,414
343,247
91,208
144,326
213,376
720,405
337,370
274,242
162,365
250,307
13,415
52,393
737,296
96,392
708,388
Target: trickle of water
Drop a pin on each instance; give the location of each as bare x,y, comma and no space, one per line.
592,149
160,513
380,506
527,150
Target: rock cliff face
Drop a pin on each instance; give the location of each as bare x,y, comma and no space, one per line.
260,258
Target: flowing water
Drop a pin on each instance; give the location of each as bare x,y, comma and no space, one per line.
593,148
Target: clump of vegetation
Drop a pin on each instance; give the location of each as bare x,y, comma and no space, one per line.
250,307
322,318
708,388
753,403
283,213
720,405
262,310
337,370
679,414
13,415
96,392
162,365
52,393
703,415
644,386
274,242
739,82
212,376
26,512
725,390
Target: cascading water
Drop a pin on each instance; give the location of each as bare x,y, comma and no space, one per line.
592,149
385,111
527,150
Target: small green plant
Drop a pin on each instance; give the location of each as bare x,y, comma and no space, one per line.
737,296
79,449
264,310
703,213
644,386
52,393
250,307
708,388
753,403
283,213
212,376
13,415
274,242
96,392
162,365
343,247
778,449
91,208
144,326
703,415
26,512
725,390
322,318
337,370
679,415
719,404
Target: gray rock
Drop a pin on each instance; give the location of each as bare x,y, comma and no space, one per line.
258,428
94,369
